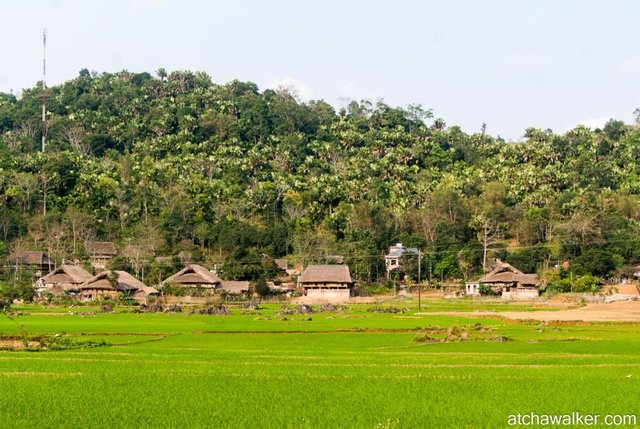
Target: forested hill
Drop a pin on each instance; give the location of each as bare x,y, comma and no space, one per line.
178,163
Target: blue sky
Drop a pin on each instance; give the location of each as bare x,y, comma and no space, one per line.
511,64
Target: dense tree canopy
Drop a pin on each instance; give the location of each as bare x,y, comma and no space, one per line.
178,163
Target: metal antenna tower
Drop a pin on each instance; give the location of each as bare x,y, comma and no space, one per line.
44,86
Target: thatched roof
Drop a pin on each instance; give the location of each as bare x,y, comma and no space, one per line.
507,273
124,282
326,274
193,275
29,257
235,287
147,290
67,274
103,248
527,279
281,263
335,259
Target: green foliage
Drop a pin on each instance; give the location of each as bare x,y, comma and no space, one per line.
586,283
184,164
596,261
260,287
22,290
528,260
485,290
242,264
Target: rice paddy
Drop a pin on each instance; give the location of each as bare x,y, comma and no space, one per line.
351,368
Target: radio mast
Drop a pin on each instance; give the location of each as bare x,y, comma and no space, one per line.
44,86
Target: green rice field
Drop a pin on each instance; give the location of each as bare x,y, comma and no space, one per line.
340,369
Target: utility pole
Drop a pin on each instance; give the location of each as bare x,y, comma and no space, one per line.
419,265
419,284
44,86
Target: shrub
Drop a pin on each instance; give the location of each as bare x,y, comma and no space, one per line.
587,283
487,291
261,287
559,286
21,290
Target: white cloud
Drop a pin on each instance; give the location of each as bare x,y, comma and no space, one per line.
591,123
304,91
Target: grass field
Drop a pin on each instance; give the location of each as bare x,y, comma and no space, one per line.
347,369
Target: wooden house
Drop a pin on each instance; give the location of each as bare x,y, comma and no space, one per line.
283,268
101,253
113,285
233,287
327,282
37,262
66,279
509,282
194,276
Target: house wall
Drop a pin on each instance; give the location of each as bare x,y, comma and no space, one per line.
190,288
472,288
93,294
324,294
521,293
100,262
59,288
212,299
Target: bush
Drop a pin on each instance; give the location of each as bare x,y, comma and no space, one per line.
587,283
261,287
559,286
21,290
487,291
173,291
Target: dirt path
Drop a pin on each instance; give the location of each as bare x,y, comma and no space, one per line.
622,311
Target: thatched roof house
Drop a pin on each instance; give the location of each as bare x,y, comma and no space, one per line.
103,248
234,287
194,276
106,285
64,279
101,252
511,282
327,282
283,267
33,259
282,264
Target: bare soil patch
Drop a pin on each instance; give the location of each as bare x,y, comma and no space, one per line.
621,311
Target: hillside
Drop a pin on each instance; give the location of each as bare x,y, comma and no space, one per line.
228,172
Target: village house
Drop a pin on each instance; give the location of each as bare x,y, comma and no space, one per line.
193,277
396,252
66,279
636,271
327,282
113,285
507,281
37,262
235,287
284,269
101,253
